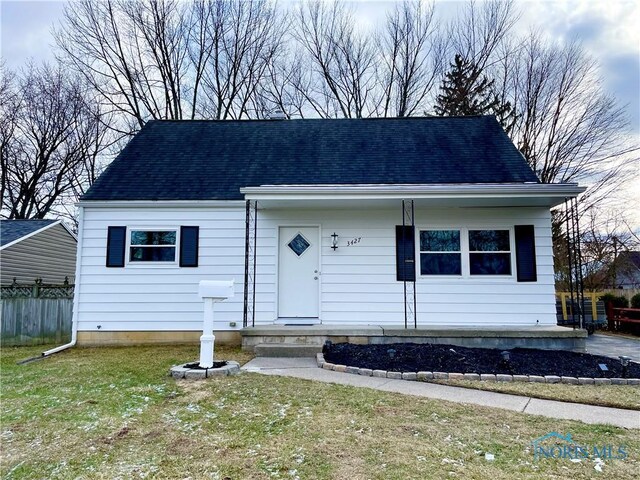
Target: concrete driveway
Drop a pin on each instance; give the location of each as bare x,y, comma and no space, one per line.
614,346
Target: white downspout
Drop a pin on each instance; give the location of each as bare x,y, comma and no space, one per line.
76,290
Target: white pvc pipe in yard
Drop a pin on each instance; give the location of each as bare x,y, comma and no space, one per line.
207,340
76,290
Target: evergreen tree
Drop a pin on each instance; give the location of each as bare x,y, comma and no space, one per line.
465,91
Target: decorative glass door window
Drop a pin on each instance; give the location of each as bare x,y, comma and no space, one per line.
152,246
489,252
440,252
298,244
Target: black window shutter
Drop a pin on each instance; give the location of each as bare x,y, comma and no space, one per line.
189,246
526,253
405,253
116,240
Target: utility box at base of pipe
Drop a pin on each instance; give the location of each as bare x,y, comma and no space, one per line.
211,291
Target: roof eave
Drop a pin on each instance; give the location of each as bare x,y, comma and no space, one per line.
554,194
159,203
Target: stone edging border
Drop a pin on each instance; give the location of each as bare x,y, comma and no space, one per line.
182,371
486,377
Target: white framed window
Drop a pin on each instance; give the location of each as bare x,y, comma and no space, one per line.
465,252
440,252
489,252
152,245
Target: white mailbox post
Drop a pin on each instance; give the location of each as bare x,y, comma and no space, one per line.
211,291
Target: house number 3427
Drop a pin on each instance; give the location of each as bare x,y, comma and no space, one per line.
354,241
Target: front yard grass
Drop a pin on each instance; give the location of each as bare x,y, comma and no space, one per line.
115,413
618,396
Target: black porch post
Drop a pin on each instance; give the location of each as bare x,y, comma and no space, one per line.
246,266
250,240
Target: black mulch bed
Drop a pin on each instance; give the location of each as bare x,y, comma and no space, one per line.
414,357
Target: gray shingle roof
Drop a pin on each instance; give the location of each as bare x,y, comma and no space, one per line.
11,230
202,160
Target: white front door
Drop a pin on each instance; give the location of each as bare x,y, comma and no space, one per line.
299,273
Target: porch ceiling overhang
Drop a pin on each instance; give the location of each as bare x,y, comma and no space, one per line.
433,195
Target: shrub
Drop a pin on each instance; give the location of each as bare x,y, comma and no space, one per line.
618,301
635,301
606,298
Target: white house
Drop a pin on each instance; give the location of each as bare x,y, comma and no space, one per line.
351,226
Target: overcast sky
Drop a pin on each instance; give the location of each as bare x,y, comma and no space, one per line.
609,30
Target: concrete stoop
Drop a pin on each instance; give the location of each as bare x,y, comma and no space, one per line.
287,350
310,339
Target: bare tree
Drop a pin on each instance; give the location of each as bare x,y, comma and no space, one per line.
480,31
241,40
343,60
132,53
286,87
51,145
606,243
412,57
165,59
567,128
9,109
562,121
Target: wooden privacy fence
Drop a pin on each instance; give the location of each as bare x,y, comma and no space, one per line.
36,314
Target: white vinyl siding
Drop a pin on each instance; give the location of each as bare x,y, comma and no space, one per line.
493,299
358,282
154,296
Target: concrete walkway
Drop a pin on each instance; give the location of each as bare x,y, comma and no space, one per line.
307,369
614,346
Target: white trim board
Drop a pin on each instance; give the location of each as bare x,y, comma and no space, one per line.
534,193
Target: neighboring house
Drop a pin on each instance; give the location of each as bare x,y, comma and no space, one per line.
428,222
627,270
36,249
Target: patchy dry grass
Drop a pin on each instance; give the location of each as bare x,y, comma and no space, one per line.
114,413
618,396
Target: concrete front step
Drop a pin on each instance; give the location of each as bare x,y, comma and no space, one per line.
286,350
548,337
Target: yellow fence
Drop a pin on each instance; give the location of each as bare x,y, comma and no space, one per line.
565,301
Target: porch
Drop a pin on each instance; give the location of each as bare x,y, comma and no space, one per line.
346,255
287,340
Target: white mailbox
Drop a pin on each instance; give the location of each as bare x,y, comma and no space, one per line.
211,291
216,289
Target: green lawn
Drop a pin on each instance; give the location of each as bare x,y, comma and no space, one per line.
115,413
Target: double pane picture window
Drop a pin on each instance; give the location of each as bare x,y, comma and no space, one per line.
459,252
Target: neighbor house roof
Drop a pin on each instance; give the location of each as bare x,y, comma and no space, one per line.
12,230
630,258
212,160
